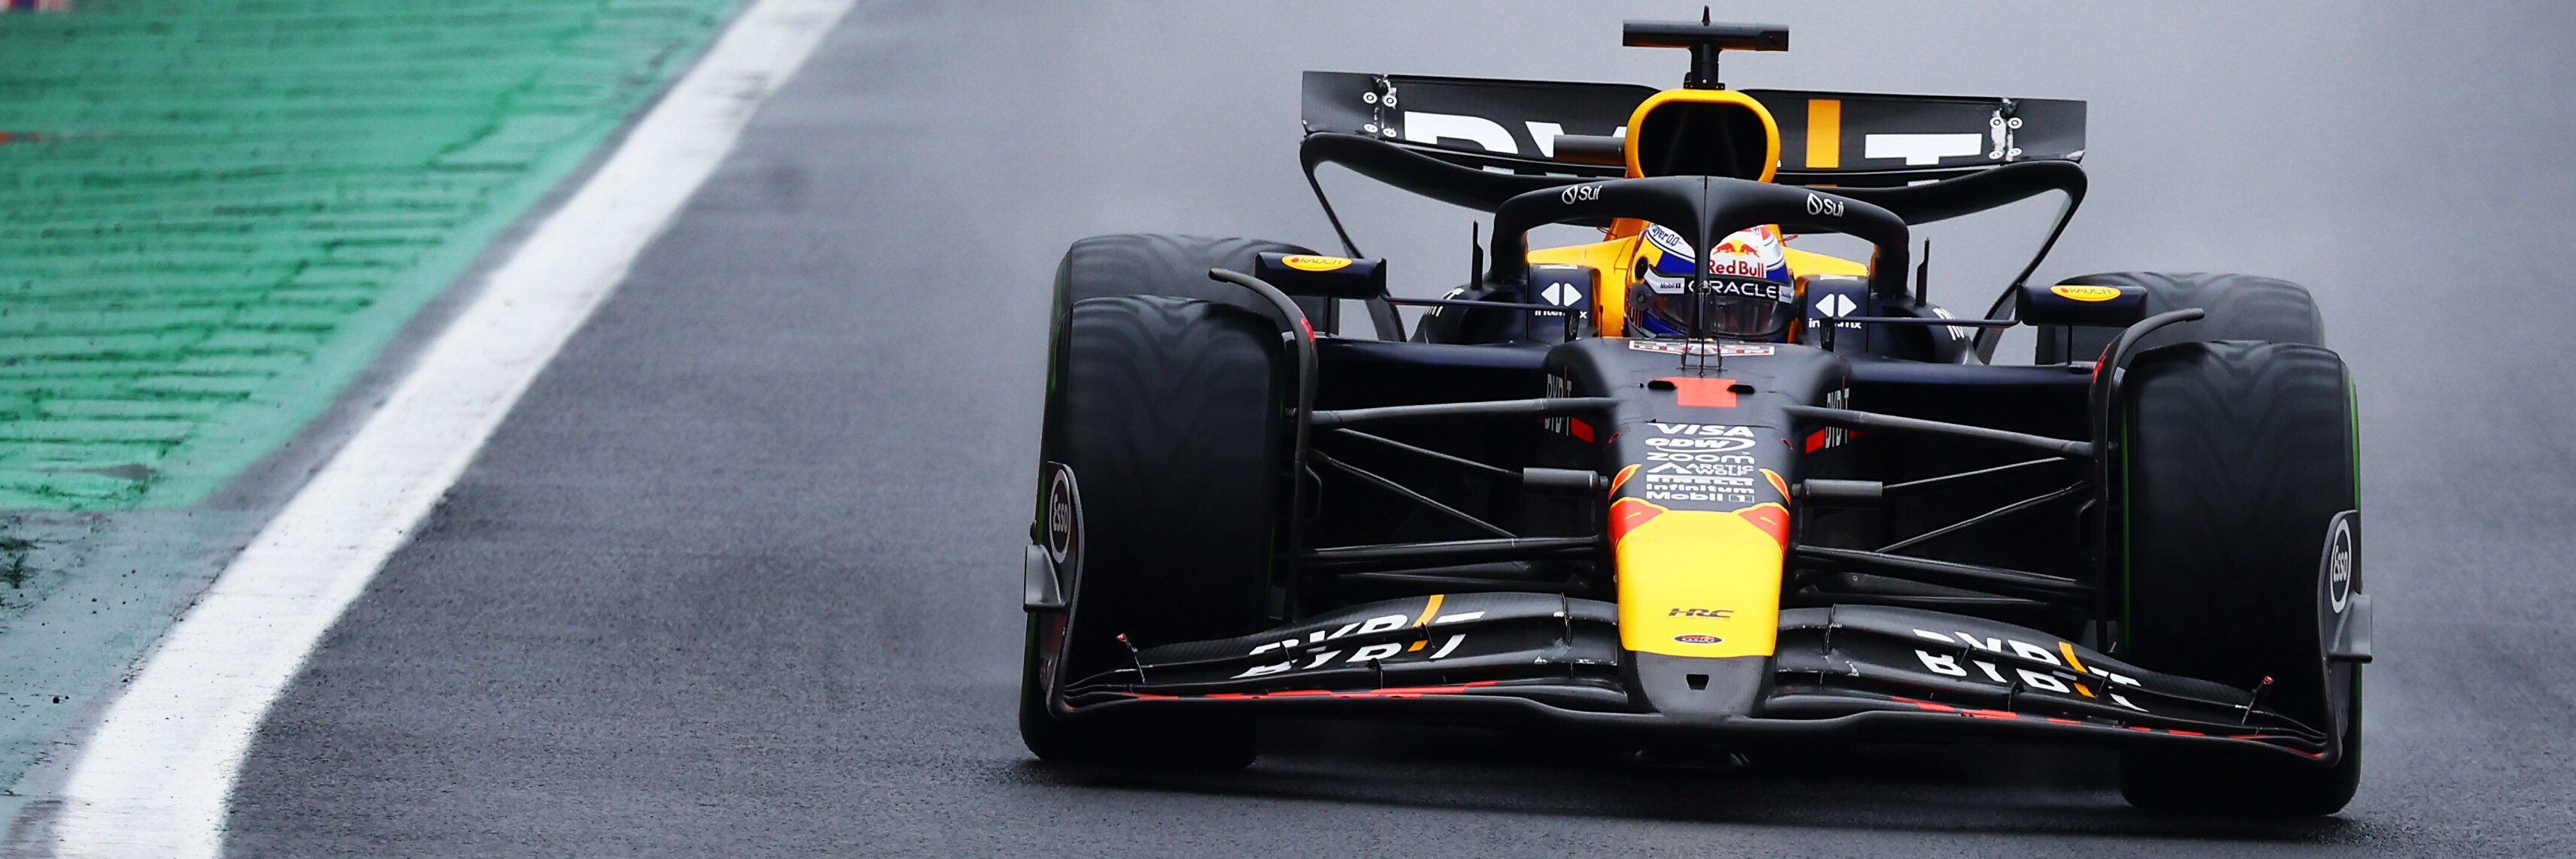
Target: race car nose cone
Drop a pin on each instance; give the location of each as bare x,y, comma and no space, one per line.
1702,690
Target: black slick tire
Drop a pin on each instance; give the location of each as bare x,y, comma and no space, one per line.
1176,266
2239,306
2236,459
1169,413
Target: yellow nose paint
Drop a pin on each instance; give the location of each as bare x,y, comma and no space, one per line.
1699,582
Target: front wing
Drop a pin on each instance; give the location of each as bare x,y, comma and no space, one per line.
1843,670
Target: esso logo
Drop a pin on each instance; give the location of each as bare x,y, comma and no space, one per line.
2086,293
1063,517
1696,638
2339,564
1305,262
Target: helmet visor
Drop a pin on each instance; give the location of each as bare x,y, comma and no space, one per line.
1733,308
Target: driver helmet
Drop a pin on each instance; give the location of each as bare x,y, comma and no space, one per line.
1750,293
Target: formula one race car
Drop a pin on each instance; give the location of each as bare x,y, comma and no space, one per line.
1687,483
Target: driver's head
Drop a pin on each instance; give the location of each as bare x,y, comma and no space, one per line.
1750,294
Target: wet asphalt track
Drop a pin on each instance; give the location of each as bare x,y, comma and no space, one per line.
738,576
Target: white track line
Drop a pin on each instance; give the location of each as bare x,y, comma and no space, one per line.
153,778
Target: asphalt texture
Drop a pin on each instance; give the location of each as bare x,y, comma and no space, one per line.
738,577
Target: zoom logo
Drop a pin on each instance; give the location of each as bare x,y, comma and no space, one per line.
1818,204
1586,193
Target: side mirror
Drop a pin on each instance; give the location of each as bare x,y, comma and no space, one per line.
2081,304
1323,276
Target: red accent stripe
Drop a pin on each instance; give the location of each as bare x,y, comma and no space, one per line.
1389,692
1815,441
1628,513
1580,429
1703,393
1773,519
1928,706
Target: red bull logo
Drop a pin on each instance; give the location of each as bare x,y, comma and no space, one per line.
1740,266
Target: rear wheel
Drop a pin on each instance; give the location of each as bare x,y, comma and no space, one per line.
1167,413
2239,306
1177,266
2237,460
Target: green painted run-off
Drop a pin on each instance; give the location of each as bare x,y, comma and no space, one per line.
214,214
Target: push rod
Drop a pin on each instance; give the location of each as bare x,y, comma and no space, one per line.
1398,556
1849,419
1971,576
1373,479
1911,485
1542,407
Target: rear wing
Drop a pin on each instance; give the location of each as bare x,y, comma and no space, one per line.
1471,121
1870,140
1476,143
1826,138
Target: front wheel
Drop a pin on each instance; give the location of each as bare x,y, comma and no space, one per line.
1169,416
2239,467
2238,307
